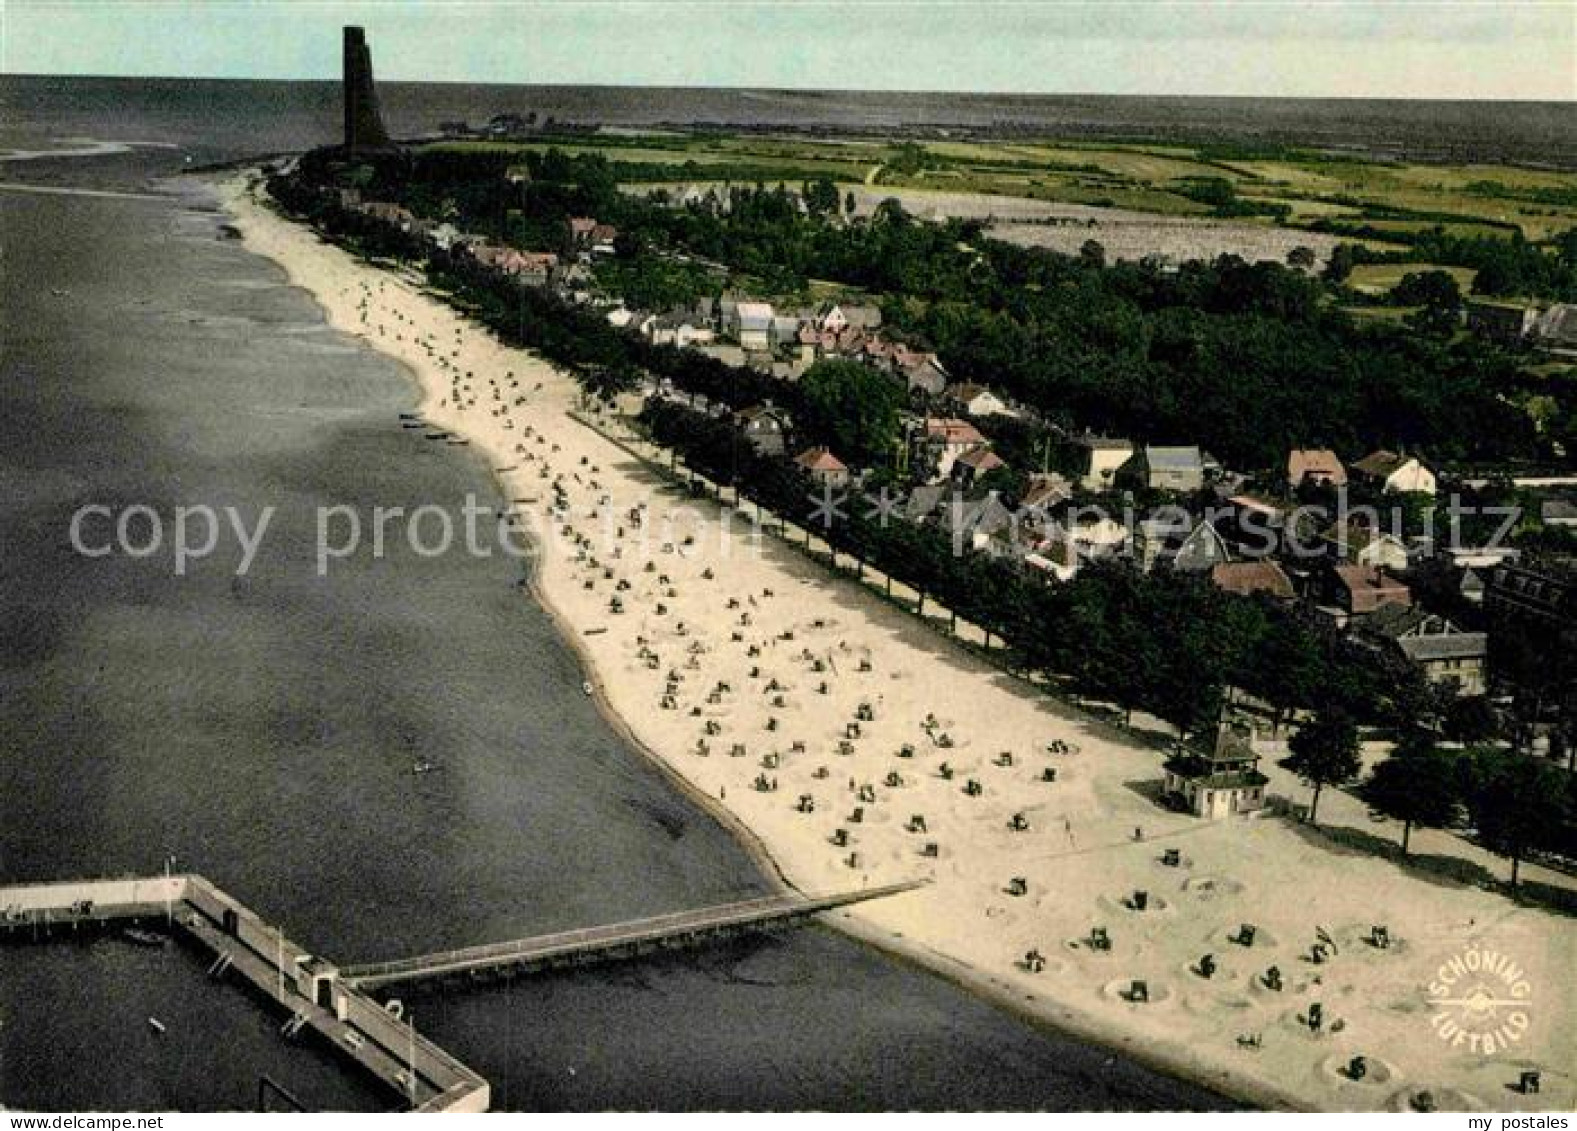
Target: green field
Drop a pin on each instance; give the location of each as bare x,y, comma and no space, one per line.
1468,200
1381,278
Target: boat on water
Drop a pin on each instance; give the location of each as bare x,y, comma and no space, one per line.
139,937
437,435
423,766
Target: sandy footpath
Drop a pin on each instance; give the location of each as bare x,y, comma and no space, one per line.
845,737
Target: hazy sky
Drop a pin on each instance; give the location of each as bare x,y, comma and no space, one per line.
1379,48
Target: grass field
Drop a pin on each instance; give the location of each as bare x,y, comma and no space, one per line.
1478,200
1381,278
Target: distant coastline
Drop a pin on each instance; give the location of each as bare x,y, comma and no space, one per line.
288,115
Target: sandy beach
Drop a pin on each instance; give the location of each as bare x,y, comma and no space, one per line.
851,745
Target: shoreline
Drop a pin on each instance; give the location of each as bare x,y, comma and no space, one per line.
939,930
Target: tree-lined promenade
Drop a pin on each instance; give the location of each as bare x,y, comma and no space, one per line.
1244,360
1168,645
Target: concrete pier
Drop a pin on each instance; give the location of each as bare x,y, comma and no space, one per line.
315,994
307,988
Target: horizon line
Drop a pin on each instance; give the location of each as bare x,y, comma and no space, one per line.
904,91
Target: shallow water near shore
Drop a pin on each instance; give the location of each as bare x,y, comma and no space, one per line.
263,729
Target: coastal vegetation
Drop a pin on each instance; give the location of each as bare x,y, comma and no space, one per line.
1246,360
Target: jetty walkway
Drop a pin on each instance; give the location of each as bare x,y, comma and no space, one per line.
614,940
336,1004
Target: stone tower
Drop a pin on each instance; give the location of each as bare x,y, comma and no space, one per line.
363,124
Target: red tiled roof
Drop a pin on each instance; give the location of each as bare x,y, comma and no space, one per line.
982,459
1252,577
951,430
1318,462
820,459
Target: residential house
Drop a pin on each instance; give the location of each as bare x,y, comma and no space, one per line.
925,500
1471,586
1360,542
396,214
823,467
947,438
1542,593
678,329
977,400
1359,590
1247,578
765,426
1395,474
1180,469
535,268
837,317
1095,533
602,238
921,372
984,522
1104,457
1531,610
1442,651
1557,328
580,230
1046,491
755,325
974,463
1315,465
782,330
1155,534
1558,512
1506,322
1254,528
1217,780
1201,550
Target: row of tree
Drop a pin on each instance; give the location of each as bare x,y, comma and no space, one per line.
1516,804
